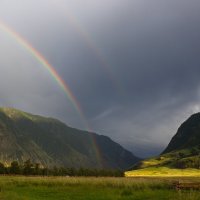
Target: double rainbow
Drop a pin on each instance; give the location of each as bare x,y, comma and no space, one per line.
41,59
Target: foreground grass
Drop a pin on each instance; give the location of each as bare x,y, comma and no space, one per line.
164,172
43,188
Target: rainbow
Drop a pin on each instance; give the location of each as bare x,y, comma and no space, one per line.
40,58
89,41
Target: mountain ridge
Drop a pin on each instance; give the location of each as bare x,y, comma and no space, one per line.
52,143
183,151
188,134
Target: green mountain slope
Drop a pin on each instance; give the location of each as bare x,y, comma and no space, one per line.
183,150
52,143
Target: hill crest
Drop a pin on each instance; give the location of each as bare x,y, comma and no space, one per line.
183,150
52,143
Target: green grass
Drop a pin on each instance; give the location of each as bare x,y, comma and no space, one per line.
164,172
65,188
184,158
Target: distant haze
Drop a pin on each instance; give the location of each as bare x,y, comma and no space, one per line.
133,65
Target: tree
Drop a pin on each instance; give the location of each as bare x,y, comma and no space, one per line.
28,167
37,169
2,168
15,168
194,151
55,171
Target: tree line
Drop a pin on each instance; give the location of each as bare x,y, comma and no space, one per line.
190,159
35,169
188,163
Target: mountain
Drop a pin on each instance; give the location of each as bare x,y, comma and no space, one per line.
52,143
183,150
187,136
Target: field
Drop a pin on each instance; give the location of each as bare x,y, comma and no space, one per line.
164,172
67,188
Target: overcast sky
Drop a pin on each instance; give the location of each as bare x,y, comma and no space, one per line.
133,65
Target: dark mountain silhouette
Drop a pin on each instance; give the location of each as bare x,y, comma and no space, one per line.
187,136
52,143
183,150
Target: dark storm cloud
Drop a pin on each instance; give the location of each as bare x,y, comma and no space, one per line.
133,65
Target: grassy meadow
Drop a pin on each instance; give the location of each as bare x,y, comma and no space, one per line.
69,188
164,172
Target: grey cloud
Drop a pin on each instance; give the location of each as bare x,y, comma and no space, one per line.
132,65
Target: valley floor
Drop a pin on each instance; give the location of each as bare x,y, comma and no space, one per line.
67,188
164,172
